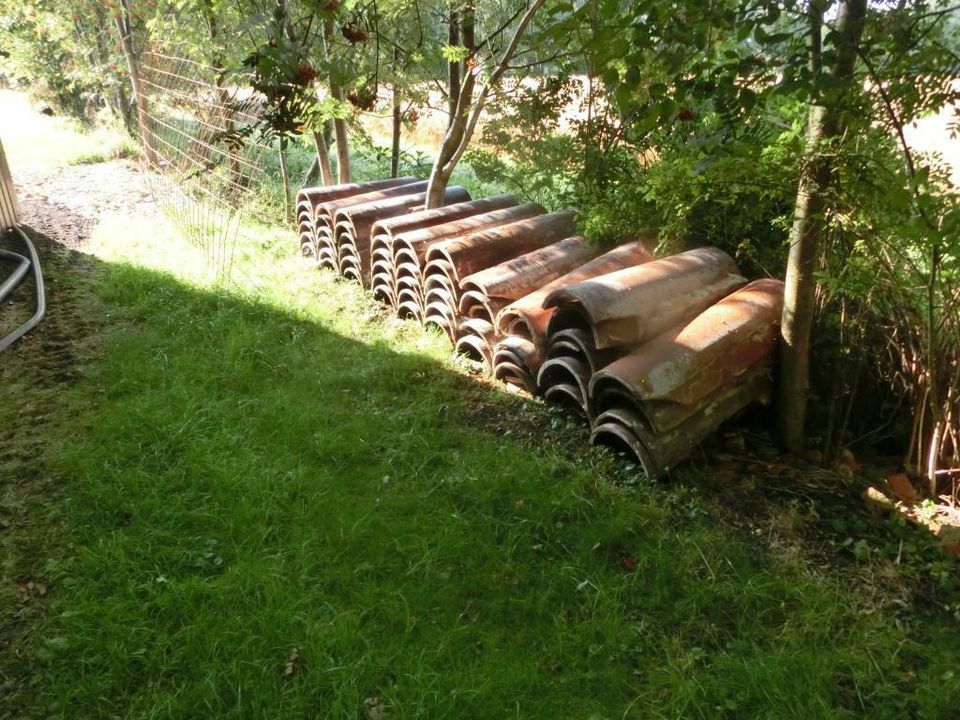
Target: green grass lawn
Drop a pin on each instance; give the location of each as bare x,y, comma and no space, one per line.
278,504
268,500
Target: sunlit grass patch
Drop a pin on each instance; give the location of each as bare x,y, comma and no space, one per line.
34,141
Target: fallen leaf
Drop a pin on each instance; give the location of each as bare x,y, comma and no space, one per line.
293,664
27,589
902,488
376,708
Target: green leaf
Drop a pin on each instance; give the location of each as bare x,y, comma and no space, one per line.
454,53
623,96
619,47
666,109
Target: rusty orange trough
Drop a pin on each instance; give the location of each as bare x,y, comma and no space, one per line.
654,354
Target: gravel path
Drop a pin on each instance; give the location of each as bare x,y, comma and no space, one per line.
116,187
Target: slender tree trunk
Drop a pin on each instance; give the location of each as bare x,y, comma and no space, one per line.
395,142
328,135
443,167
453,68
938,415
468,110
397,120
457,129
313,172
339,125
223,110
323,158
285,177
343,142
125,28
824,125
467,34
101,34
799,295
126,111
283,15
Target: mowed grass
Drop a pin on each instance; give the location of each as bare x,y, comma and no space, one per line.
280,504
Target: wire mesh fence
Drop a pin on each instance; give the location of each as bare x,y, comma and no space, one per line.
207,154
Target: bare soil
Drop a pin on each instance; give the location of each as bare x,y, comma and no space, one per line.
115,187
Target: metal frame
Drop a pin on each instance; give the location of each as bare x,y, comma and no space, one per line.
9,224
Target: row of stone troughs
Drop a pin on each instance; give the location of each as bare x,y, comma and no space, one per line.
654,352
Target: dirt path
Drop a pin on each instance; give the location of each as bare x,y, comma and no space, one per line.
33,375
90,192
61,206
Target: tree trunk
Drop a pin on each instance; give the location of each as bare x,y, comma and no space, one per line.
799,294
397,120
313,172
343,143
285,177
323,158
468,110
467,37
443,167
125,28
395,141
126,111
457,130
223,112
101,36
339,125
453,68
283,17
824,126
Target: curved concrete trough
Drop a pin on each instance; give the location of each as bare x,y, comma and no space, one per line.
485,293
598,320
324,217
353,226
654,353
410,249
448,262
309,198
522,325
659,401
635,304
383,234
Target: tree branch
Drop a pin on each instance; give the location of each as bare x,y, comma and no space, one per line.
496,33
495,76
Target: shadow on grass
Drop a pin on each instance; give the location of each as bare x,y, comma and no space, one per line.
264,517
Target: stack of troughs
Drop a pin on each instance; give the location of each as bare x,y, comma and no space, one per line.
653,353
